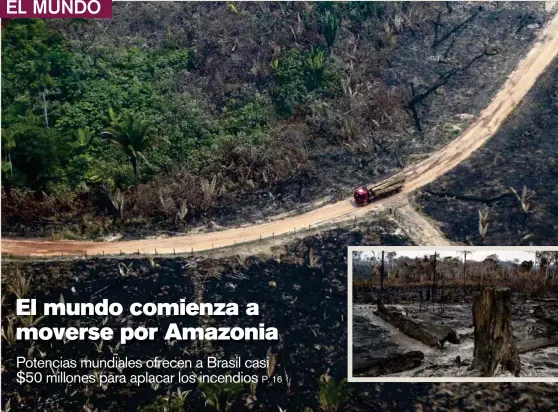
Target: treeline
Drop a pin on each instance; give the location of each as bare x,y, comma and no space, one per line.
541,272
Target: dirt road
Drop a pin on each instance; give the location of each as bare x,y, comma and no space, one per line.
419,228
439,163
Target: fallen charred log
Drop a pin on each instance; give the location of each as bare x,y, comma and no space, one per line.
551,321
428,333
374,354
534,344
545,300
385,361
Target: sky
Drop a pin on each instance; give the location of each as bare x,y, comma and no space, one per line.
477,255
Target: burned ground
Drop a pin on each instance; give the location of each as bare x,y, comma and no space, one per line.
523,153
372,152
493,397
295,295
301,291
453,311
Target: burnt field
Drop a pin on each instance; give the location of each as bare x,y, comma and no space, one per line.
301,291
304,298
522,155
380,349
455,313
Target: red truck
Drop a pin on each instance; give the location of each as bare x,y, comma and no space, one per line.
387,187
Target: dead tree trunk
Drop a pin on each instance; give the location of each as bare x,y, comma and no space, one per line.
413,107
545,300
437,25
465,253
428,333
382,361
494,343
447,76
442,294
456,28
442,81
372,272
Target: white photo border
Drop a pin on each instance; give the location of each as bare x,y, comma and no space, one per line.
448,379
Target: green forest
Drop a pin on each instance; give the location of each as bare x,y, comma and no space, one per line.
98,126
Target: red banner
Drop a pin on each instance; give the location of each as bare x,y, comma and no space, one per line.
56,9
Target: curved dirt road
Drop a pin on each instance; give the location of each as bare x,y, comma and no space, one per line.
418,175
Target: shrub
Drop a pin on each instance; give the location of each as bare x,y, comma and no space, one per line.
296,76
331,395
173,403
329,26
221,395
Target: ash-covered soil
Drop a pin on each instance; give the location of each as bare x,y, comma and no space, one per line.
492,397
301,291
455,360
523,153
294,295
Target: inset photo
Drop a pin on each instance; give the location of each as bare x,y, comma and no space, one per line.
460,314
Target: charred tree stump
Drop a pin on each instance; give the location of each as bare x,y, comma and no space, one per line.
494,343
428,333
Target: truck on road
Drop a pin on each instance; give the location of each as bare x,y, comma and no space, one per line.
387,187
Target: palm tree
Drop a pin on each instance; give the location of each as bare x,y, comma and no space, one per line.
85,138
131,132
